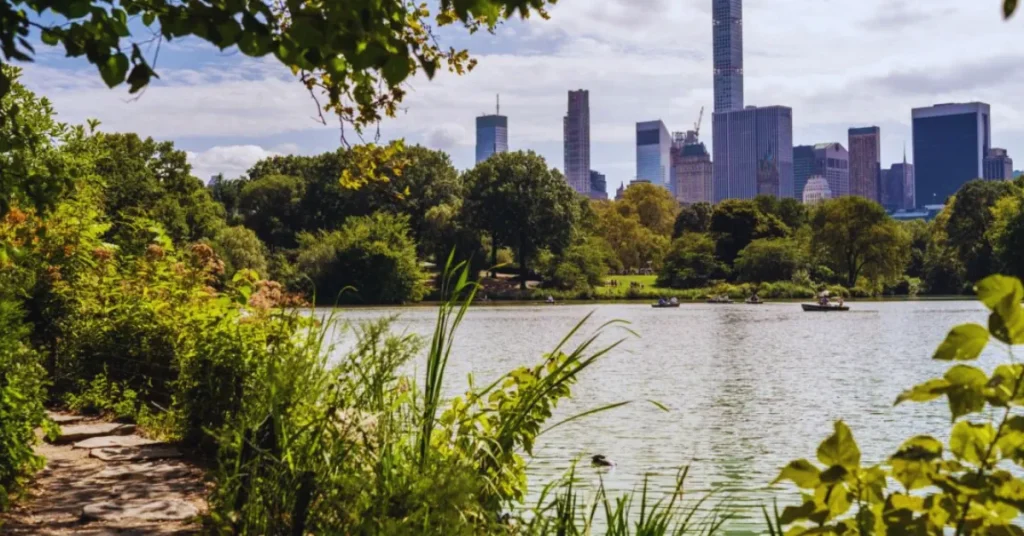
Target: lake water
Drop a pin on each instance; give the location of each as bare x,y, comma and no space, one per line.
748,388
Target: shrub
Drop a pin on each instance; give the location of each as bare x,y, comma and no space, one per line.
691,263
769,260
372,255
241,249
969,486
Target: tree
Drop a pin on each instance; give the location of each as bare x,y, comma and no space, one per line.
228,192
788,210
522,204
271,206
1007,235
970,218
735,223
691,263
856,237
240,248
774,259
943,271
652,205
373,255
920,236
695,218
582,265
635,246
356,54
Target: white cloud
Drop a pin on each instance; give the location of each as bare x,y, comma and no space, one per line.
231,160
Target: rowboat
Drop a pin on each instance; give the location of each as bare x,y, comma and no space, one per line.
664,305
813,307
719,300
754,301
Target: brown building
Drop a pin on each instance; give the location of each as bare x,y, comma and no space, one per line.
866,162
692,170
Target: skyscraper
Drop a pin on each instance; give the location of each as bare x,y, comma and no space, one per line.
491,134
576,129
803,168
653,153
727,33
692,170
950,145
598,185
866,162
998,165
753,153
832,161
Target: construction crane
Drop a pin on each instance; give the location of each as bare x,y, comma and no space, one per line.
696,126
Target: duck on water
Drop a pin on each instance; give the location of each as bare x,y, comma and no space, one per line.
599,460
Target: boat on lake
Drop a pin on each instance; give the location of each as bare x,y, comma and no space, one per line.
815,307
754,300
664,305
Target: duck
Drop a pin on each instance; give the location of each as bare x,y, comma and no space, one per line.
599,460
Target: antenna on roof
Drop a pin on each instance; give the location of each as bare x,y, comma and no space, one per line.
497,104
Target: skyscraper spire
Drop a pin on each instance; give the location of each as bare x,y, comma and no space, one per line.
497,104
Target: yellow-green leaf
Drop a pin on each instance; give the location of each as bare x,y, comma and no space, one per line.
802,472
993,289
969,441
840,448
924,392
963,343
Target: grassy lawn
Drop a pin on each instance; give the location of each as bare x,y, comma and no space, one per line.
648,281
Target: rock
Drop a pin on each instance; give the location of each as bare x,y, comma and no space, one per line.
155,470
140,510
64,419
132,454
79,432
104,442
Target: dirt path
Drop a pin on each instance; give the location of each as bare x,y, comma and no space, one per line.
103,479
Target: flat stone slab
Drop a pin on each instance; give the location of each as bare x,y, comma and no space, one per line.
64,419
106,442
134,454
80,432
154,470
140,510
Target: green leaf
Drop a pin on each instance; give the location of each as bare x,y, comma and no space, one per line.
967,390
113,69
929,390
966,375
148,18
1009,7
993,289
1007,322
920,448
969,441
840,449
139,77
396,69
50,37
802,472
964,343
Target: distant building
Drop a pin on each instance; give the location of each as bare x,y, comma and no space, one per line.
653,153
998,165
619,191
727,40
832,161
951,142
1018,174
598,185
803,168
491,135
866,162
692,170
753,152
816,190
898,187
576,130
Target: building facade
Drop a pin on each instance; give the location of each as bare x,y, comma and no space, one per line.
692,170
491,136
903,175
866,162
576,140
727,35
803,168
998,165
832,161
816,190
598,185
951,142
753,153
653,153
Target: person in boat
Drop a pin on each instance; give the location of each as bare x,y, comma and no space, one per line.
673,301
551,299
661,301
840,301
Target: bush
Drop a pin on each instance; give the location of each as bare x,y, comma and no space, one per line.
581,266
691,263
769,260
371,254
241,249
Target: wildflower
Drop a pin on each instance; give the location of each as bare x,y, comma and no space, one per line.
154,252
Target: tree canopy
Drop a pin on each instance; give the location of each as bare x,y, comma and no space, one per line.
856,237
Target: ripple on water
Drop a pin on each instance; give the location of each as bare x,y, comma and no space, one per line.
748,388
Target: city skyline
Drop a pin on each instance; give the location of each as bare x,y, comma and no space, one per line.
608,48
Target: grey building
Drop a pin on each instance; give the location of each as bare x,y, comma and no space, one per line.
951,142
727,35
576,130
898,187
753,153
692,170
598,185
832,161
866,162
653,153
998,165
491,134
803,168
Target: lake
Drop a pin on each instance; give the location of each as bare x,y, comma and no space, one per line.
748,388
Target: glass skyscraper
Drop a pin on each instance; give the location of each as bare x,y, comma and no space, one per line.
753,153
491,135
951,142
727,34
803,168
576,141
653,153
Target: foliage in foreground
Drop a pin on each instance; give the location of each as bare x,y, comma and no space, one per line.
972,485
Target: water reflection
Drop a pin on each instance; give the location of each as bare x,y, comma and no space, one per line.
748,387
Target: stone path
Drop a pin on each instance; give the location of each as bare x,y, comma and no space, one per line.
102,479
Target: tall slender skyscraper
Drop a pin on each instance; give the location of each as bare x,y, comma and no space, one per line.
727,31
866,162
491,134
576,132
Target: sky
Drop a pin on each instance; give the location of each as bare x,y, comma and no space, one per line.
837,63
